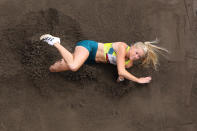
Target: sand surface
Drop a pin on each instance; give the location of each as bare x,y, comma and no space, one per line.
33,99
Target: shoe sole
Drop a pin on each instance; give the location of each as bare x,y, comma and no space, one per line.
44,36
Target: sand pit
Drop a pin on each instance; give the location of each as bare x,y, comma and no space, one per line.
33,99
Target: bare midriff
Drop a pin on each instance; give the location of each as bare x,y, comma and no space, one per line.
100,54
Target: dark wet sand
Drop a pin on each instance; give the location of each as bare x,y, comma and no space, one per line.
33,99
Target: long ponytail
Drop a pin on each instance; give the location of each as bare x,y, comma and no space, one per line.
151,52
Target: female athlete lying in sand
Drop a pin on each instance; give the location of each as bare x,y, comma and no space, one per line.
117,53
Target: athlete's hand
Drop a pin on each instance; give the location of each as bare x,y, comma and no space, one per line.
143,80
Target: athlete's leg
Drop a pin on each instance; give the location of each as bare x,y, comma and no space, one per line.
74,61
80,55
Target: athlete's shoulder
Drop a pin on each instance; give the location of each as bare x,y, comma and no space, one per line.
118,46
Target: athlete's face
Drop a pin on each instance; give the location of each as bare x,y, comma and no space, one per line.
136,53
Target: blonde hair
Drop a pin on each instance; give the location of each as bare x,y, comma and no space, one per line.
150,52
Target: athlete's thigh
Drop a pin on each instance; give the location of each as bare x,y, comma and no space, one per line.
80,55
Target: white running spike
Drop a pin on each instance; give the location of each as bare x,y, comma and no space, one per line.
51,40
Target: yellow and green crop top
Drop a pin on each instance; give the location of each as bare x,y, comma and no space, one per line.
110,54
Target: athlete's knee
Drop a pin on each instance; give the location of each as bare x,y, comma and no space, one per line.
52,69
74,68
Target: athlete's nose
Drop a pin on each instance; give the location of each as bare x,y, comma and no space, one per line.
137,56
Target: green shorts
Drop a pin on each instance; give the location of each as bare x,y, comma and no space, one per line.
92,47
